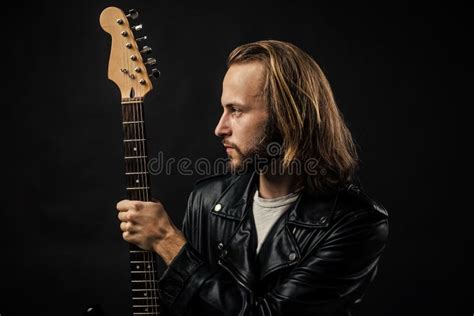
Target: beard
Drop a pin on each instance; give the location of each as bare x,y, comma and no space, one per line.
260,154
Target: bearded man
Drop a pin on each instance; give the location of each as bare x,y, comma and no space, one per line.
284,232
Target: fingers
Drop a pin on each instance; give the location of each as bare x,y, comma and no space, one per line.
128,227
123,226
129,232
124,216
125,205
127,236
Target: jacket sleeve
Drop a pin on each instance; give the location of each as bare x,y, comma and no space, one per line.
325,280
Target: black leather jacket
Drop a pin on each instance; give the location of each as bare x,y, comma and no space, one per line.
317,259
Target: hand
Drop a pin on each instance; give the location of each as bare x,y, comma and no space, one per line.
147,225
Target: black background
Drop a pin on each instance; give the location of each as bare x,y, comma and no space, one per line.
397,71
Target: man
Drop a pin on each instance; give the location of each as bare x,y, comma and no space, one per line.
283,233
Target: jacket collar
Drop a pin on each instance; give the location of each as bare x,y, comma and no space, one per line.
309,211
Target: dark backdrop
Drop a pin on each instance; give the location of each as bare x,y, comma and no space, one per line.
392,69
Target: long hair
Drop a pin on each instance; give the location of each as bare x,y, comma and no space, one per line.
302,107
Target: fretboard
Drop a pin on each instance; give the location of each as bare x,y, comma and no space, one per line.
143,265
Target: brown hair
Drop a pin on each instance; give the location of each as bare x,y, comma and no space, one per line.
303,109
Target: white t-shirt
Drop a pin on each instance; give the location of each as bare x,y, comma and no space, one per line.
267,211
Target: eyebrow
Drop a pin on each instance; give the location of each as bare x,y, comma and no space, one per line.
231,104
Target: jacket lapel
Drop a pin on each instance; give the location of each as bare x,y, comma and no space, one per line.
237,254
280,249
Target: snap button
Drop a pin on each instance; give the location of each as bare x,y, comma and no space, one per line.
220,246
218,207
292,256
224,253
323,219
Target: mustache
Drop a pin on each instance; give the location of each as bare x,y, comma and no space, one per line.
224,143
231,145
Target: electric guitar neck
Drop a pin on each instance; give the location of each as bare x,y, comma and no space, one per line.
128,70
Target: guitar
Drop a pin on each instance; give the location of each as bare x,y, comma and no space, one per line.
127,69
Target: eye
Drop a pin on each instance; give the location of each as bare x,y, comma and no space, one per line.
235,110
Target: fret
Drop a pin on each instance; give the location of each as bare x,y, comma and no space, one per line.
144,305
144,271
132,122
145,291
145,298
138,251
134,140
135,157
141,271
152,313
138,188
144,277
142,261
131,102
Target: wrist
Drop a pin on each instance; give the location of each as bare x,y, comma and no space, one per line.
170,246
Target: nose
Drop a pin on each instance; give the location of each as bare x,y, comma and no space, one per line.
223,128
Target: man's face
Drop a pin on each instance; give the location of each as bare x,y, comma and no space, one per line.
244,123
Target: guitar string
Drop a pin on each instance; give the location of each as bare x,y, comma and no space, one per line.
138,114
150,254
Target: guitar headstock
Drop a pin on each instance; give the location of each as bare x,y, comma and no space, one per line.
127,67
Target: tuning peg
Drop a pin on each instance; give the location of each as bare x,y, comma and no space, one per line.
155,73
133,14
140,38
137,27
145,50
150,61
